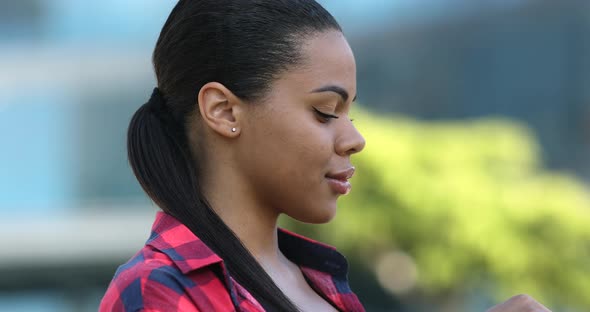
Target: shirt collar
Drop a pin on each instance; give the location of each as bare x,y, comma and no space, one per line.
309,253
189,253
183,247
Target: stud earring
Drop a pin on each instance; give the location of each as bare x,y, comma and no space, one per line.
233,130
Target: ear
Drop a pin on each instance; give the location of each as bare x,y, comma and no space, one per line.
220,109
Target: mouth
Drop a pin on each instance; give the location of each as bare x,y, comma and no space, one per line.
338,181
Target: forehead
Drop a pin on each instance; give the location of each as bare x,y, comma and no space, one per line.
327,60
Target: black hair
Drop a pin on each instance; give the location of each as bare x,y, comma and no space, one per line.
244,45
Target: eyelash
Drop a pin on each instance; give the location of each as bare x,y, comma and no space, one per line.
325,117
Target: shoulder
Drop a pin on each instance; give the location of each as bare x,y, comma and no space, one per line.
150,281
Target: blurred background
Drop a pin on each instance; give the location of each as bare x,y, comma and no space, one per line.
473,186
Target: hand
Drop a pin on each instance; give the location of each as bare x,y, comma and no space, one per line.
520,303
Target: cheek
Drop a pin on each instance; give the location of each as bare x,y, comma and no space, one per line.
300,190
287,162
306,149
293,140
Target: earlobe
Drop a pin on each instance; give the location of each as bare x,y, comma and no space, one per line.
219,109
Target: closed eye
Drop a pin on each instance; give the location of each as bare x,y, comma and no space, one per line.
324,115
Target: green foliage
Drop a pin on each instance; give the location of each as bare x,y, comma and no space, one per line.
471,204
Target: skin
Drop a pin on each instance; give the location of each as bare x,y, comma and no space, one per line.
520,303
277,159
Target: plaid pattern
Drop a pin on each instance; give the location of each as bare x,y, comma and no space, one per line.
176,271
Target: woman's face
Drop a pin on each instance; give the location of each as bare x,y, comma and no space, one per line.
294,154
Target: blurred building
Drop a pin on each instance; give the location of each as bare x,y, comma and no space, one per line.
529,61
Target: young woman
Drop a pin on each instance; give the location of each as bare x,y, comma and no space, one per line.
249,121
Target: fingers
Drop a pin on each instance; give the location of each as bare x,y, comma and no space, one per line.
520,303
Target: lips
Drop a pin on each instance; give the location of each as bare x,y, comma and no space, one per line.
342,175
338,181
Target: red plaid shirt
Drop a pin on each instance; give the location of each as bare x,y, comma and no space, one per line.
176,271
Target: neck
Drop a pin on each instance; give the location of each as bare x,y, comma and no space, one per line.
253,223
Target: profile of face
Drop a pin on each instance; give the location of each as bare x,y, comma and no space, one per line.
295,145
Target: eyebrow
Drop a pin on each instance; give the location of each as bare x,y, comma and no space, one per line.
336,89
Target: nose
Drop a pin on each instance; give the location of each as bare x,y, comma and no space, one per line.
350,141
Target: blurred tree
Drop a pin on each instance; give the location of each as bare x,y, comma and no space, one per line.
448,207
